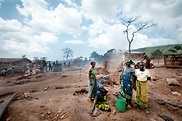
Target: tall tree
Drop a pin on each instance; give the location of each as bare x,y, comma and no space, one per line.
68,53
109,53
173,51
43,58
157,54
178,47
139,27
94,55
36,58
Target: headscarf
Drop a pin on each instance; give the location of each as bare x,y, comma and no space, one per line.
129,61
100,86
141,63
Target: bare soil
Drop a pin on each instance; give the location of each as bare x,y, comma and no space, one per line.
57,96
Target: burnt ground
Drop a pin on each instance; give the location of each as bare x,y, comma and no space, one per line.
57,96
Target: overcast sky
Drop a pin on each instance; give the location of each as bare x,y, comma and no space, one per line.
42,28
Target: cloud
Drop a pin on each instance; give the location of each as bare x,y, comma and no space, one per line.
59,20
78,42
1,2
41,26
89,22
71,3
97,27
45,37
113,38
106,9
20,39
166,14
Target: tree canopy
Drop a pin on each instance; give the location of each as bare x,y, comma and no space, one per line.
67,53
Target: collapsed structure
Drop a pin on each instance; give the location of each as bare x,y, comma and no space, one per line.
173,60
17,64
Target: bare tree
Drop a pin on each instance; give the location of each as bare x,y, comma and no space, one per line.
24,56
140,27
67,52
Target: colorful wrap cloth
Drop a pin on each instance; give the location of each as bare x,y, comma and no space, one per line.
92,89
141,93
126,86
103,105
101,99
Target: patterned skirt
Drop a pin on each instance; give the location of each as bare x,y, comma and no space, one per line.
126,86
92,89
141,93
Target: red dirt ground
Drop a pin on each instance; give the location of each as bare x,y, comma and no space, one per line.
49,97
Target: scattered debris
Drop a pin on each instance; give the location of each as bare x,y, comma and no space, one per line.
173,82
42,106
33,91
166,118
22,77
8,119
114,112
38,76
22,82
82,91
64,76
60,110
23,96
47,88
59,87
42,115
160,101
154,79
48,112
153,120
174,105
176,93
8,82
95,113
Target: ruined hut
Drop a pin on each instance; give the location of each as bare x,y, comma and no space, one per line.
173,60
18,64
134,55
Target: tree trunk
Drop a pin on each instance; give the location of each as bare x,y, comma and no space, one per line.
129,56
158,60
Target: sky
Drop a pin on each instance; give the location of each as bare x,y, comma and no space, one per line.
42,28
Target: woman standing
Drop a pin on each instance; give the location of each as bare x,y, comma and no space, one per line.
126,82
92,87
143,75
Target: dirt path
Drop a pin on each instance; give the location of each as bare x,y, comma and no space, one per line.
49,97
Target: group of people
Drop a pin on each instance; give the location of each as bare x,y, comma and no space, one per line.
136,79
9,71
97,92
130,79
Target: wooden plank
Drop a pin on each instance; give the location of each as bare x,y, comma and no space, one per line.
173,66
5,100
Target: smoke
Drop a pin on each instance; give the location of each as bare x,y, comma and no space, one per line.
115,62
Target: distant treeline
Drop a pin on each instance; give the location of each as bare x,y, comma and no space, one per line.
161,50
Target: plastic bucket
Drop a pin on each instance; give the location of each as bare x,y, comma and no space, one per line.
120,104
